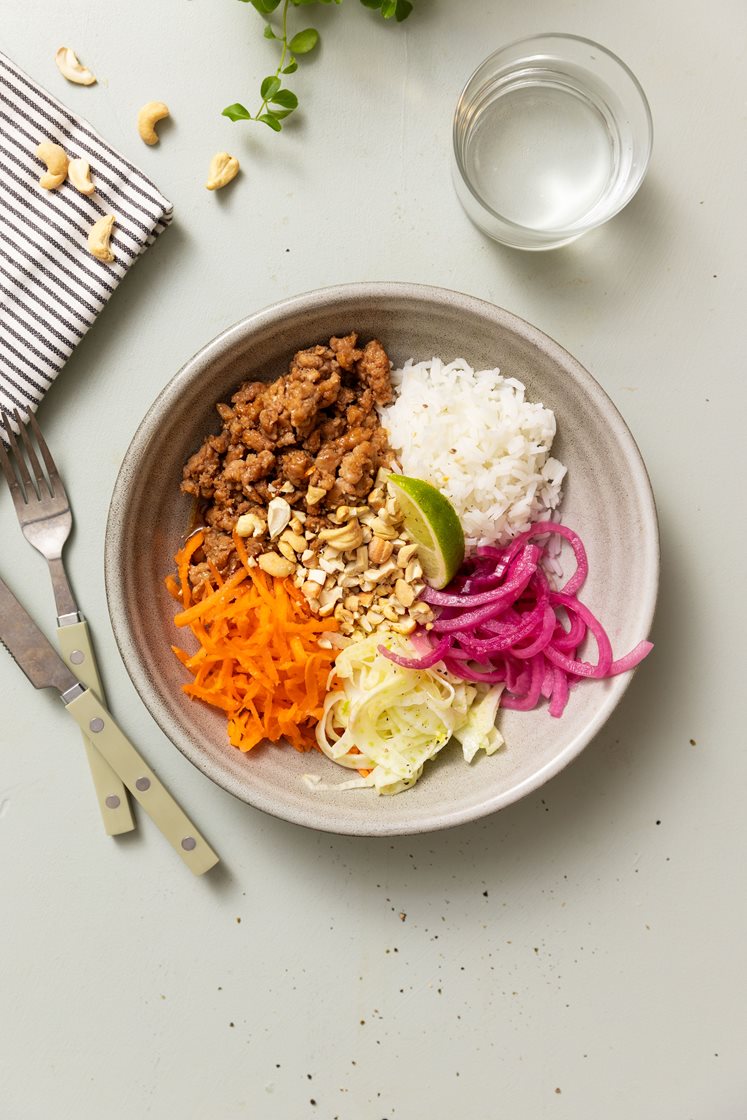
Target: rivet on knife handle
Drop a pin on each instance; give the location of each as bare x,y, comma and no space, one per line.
93,718
75,644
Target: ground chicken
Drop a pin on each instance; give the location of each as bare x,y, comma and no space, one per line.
315,426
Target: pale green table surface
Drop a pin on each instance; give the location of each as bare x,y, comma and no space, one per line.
579,956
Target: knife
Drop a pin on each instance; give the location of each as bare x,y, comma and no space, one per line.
45,669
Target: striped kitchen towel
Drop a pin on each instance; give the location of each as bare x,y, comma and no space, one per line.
51,288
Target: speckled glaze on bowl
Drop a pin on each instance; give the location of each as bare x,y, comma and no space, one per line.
608,499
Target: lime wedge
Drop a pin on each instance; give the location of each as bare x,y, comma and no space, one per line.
432,522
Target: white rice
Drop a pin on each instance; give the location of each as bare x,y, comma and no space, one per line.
474,435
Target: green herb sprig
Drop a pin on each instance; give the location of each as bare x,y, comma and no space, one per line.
278,102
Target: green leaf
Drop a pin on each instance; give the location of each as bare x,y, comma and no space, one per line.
281,114
269,33
237,112
388,8
286,98
291,67
265,6
269,86
371,3
271,120
304,41
404,7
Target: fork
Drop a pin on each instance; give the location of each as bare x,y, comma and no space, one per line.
46,520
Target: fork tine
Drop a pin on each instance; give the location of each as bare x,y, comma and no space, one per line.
10,475
49,462
27,487
41,479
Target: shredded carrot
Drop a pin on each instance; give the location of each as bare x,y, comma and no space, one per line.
183,558
363,773
172,587
258,659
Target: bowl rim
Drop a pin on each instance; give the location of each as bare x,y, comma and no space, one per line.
308,302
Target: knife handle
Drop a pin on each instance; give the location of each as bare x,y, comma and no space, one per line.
94,720
75,643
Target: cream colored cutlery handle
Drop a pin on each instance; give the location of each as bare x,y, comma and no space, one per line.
75,643
94,720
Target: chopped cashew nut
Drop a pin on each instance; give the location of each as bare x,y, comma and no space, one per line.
72,69
379,550
314,495
249,525
148,118
296,542
98,238
223,168
404,593
57,164
278,516
79,174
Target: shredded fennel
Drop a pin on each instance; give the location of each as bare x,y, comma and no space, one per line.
399,718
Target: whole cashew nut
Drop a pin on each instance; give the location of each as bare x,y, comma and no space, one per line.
148,118
346,537
57,164
72,69
79,174
98,238
274,565
223,168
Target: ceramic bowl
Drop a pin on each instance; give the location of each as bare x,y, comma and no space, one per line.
608,499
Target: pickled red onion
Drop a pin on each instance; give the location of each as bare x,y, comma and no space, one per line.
499,620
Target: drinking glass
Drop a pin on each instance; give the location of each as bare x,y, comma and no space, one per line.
552,137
